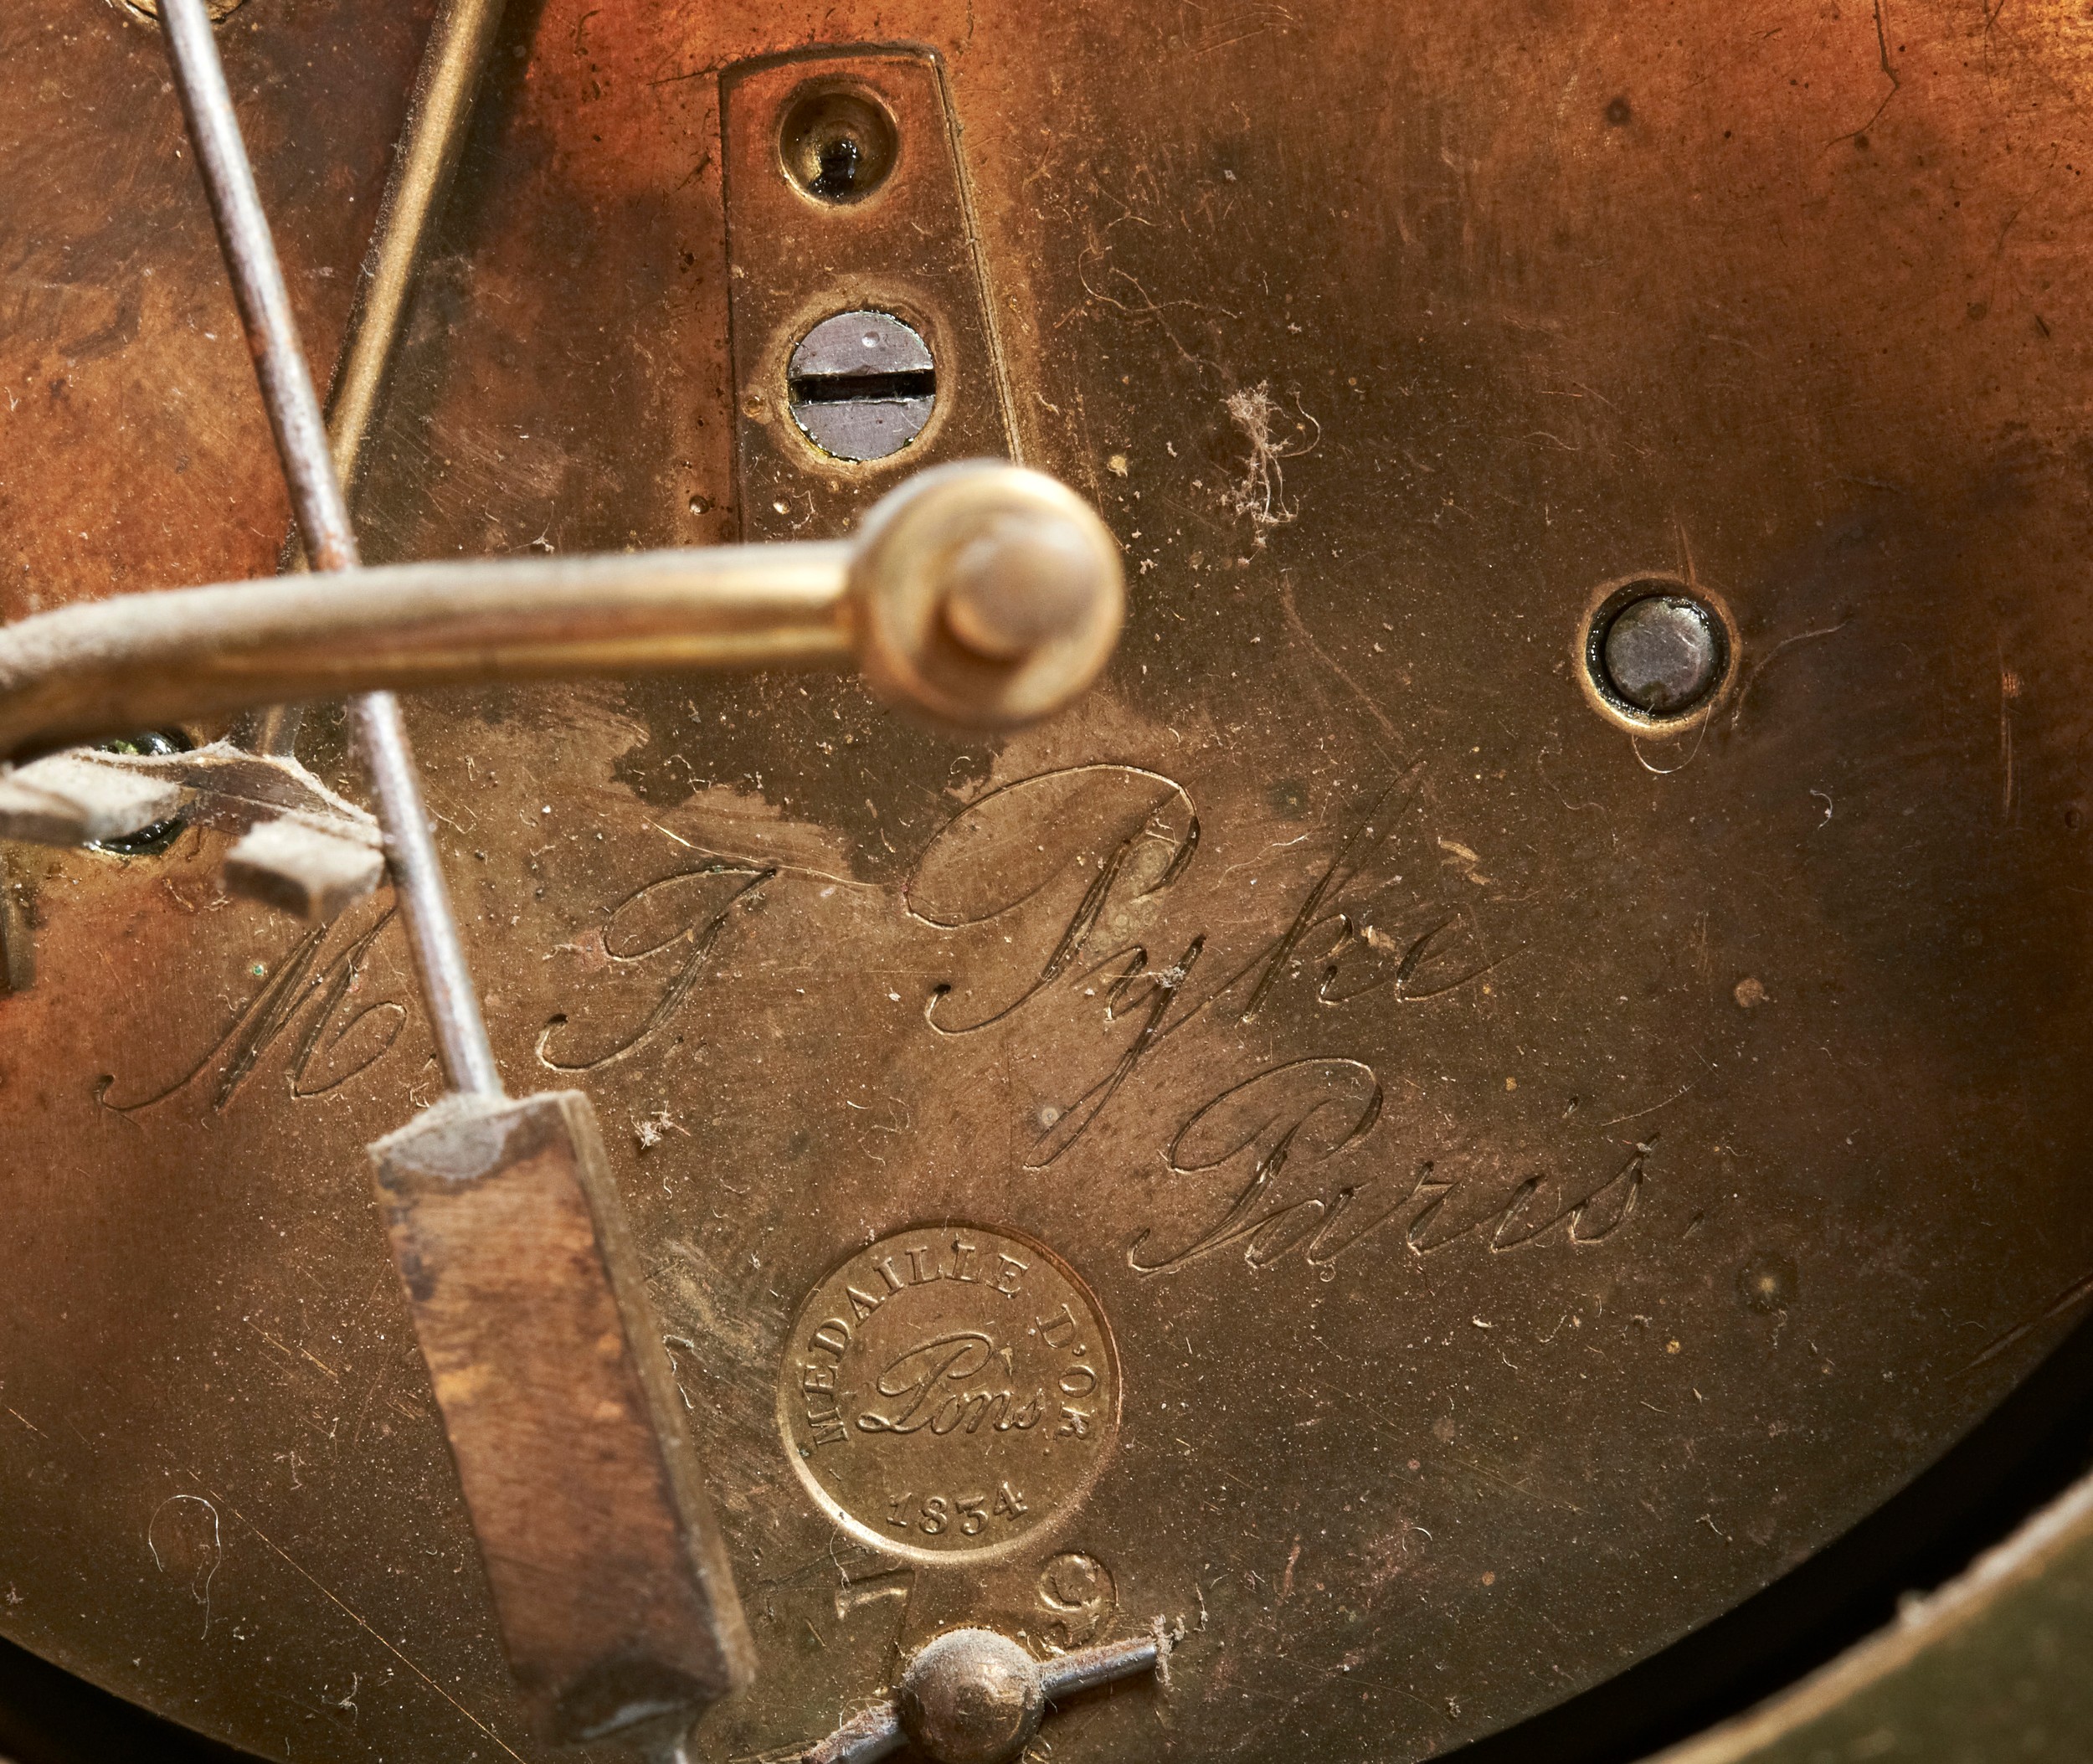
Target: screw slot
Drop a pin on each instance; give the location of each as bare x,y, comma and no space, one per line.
838,143
862,385
1655,652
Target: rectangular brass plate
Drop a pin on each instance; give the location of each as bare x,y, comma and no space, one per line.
907,249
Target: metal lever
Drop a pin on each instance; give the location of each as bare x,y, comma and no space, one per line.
439,113
973,1696
323,517
977,594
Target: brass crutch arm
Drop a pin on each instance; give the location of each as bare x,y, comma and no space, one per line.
150,661
982,593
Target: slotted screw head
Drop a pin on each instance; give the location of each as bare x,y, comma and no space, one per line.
862,385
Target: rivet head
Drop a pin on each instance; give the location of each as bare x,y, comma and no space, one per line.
1658,653
971,1697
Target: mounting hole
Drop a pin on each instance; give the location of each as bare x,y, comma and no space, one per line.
147,841
1656,652
838,143
862,384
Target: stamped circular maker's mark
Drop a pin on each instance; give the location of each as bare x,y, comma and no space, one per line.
948,1391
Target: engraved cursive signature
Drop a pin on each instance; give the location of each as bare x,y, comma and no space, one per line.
335,1036
991,861
1307,1113
1074,866
689,909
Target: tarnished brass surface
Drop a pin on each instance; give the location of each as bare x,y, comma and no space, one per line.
905,248
1683,1139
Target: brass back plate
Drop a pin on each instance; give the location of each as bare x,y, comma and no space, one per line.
1540,1180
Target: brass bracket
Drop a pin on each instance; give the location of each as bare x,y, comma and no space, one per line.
904,247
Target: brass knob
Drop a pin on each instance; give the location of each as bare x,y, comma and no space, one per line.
971,1697
985,594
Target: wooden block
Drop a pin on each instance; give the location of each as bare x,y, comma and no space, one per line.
70,798
304,866
616,1603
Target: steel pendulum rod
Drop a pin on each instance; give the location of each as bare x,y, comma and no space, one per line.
323,518
438,115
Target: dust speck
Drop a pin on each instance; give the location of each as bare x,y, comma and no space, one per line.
1767,1285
